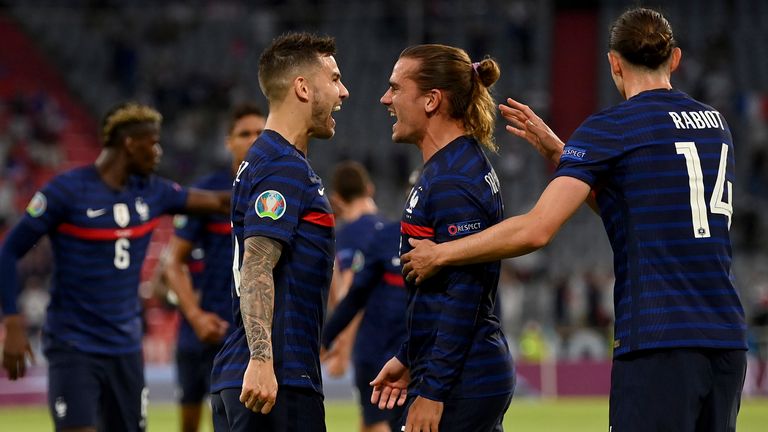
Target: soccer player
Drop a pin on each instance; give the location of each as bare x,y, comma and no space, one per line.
357,217
378,288
283,244
206,303
662,168
455,361
368,267
99,219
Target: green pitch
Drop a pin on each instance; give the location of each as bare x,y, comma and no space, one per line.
524,415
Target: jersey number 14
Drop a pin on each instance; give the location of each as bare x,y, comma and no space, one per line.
696,182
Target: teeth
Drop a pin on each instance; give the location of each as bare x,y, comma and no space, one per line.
391,114
337,108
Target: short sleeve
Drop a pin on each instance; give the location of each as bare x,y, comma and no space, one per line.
592,149
174,196
275,198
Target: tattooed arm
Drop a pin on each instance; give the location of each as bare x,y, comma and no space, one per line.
257,303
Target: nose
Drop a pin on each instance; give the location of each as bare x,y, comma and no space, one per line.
386,98
343,93
158,151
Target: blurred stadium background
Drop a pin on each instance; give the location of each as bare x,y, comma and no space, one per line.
64,63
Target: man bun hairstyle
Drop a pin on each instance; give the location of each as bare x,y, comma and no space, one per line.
465,84
643,37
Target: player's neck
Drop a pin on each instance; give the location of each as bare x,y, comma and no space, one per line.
112,167
359,207
439,134
287,123
641,82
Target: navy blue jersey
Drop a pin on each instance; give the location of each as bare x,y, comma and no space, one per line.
455,347
277,195
99,238
212,235
378,288
352,237
662,166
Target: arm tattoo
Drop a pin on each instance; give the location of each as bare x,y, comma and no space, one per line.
257,294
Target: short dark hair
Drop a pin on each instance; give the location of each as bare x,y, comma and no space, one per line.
466,84
125,119
243,110
285,58
350,180
643,37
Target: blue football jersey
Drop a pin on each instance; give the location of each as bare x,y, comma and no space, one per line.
455,346
99,238
662,167
276,194
212,274
378,288
352,237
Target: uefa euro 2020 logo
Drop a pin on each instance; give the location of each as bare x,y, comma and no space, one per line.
270,204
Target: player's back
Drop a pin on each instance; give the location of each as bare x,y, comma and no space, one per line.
662,165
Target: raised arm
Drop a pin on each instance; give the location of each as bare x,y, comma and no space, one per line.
257,303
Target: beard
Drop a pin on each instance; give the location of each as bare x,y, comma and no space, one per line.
321,126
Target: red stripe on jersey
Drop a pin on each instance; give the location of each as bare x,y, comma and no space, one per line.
395,279
322,219
416,230
108,233
196,266
222,228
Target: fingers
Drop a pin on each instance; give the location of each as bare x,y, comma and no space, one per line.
375,395
258,401
394,396
384,398
15,366
402,398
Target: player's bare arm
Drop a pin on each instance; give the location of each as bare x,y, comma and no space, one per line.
16,349
208,327
257,303
524,123
205,201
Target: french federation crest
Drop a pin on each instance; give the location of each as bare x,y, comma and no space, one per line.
270,204
122,214
413,200
37,205
142,208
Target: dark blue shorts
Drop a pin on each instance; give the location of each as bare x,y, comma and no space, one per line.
469,415
296,409
677,390
364,374
93,390
193,373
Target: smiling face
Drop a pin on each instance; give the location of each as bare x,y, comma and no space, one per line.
143,148
244,132
328,92
406,103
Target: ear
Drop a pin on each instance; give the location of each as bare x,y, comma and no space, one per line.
433,99
615,61
301,88
677,54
